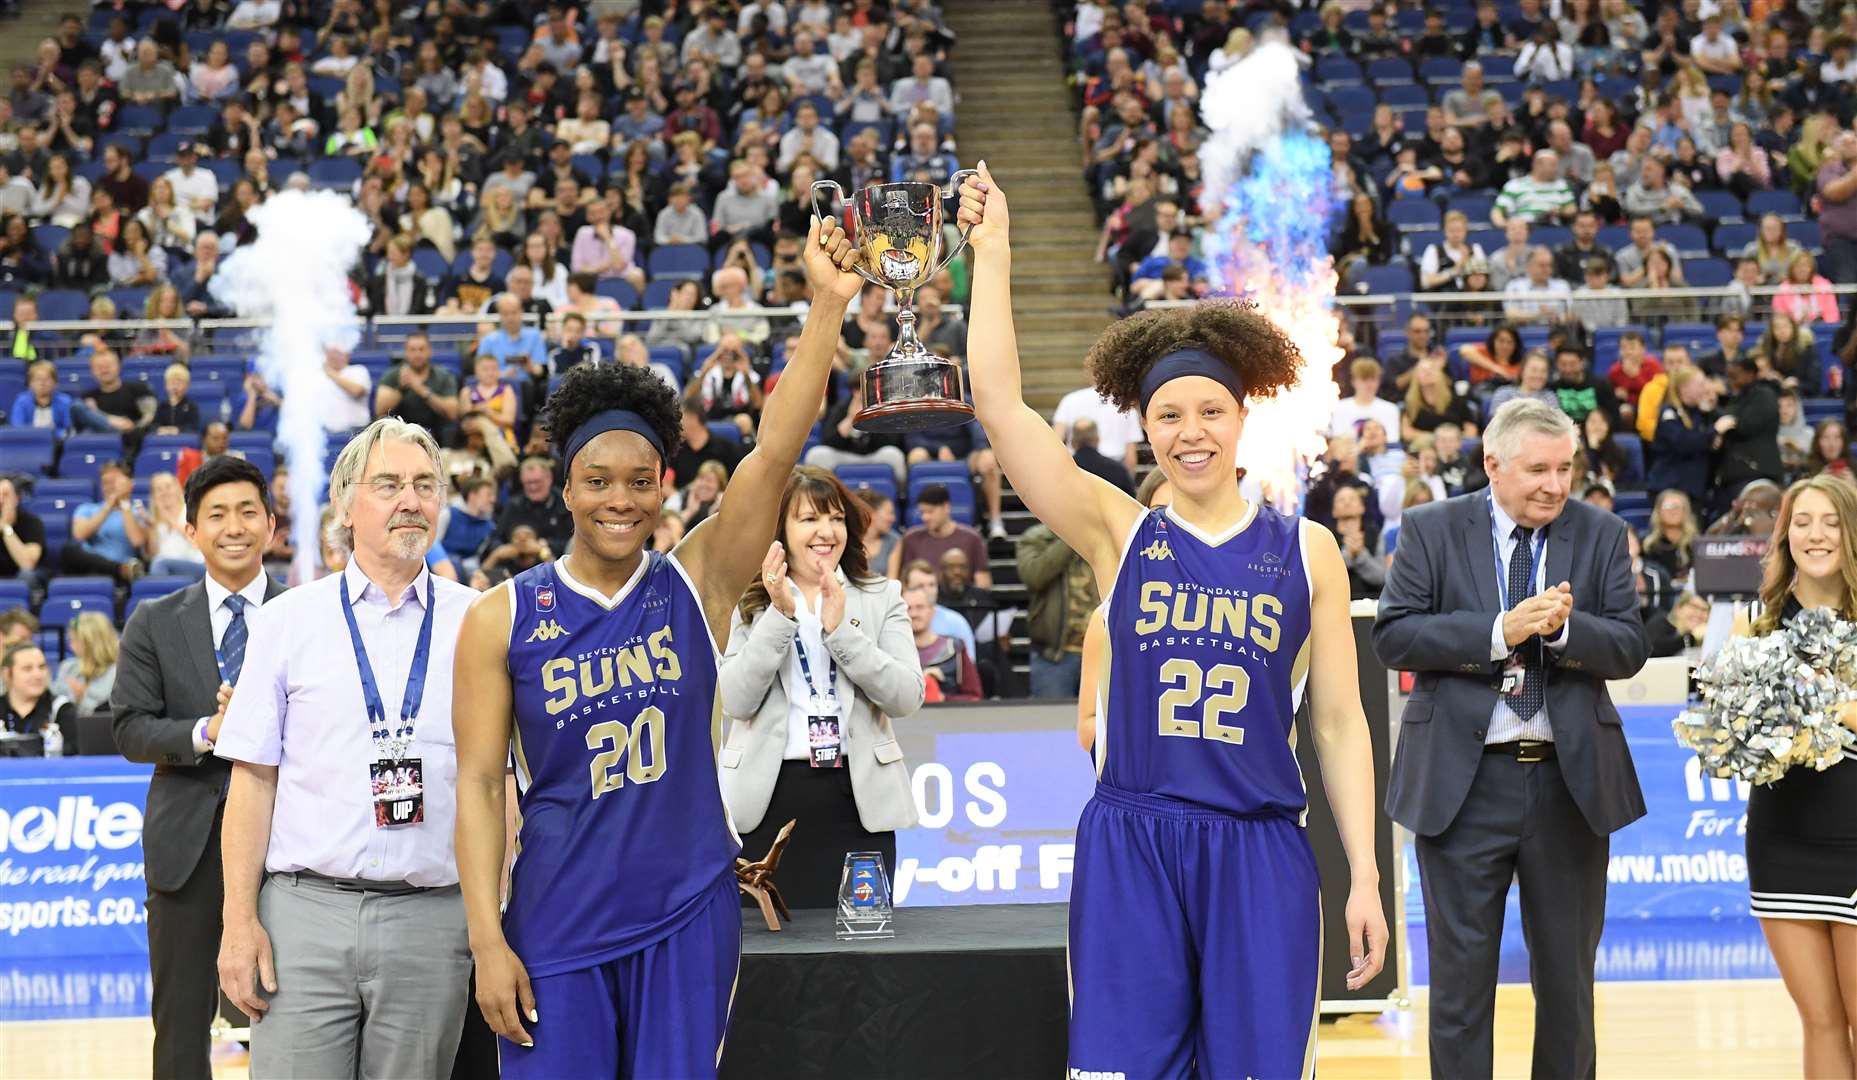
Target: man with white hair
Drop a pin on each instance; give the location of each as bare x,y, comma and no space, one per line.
344,935
1542,195
1513,606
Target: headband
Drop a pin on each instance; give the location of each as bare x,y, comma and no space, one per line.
611,420
1182,363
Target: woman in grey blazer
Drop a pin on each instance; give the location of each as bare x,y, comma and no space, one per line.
820,659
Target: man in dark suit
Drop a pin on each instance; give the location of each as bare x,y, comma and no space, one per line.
1513,607
1084,440
180,656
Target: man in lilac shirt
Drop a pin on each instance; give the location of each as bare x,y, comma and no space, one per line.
1837,218
605,248
344,931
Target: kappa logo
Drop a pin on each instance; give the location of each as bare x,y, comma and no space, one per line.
545,597
1158,549
546,630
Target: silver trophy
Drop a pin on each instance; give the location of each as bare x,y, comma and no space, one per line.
897,228
864,908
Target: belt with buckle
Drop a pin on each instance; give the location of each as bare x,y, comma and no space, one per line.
1523,750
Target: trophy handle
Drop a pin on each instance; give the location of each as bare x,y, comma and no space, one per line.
954,192
820,185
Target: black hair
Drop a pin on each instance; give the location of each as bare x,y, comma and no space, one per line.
1235,331
589,389
220,470
933,495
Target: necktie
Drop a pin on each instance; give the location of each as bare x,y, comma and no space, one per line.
1521,586
232,644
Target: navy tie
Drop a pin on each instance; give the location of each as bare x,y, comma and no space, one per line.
232,645
1521,586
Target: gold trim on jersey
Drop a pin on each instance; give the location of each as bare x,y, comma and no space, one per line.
1315,1014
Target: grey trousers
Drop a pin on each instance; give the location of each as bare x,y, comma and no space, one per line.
369,984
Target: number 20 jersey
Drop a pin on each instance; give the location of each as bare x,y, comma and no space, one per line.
624,832
1208,658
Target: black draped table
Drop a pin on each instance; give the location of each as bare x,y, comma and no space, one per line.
971,991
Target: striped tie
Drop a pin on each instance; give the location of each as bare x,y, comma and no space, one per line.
1521,587
232,645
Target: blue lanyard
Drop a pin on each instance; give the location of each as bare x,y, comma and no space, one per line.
1502,570
415,677
831,665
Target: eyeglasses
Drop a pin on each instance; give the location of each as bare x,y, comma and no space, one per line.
387,488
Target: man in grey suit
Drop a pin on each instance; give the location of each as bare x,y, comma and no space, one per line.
180,654
1511,763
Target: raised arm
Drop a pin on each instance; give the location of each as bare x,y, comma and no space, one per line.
481,703
1087,512
724,556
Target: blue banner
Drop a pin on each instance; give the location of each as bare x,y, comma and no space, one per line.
71,857
1687,857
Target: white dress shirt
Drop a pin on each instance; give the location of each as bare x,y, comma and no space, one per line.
221,617
1504,725
808,698
299,707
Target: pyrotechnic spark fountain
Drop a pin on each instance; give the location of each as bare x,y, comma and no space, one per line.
296,276
1269,188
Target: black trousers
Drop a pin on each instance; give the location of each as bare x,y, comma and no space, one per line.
183,957
78,561
1518,822
820,800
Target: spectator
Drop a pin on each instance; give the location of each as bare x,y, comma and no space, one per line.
520,349
1365,239
1670,539
1430,402
1633,371
681,222
1680,631
1742,165
605,248
128,408
136,262
1532,384
470,521
257,405
108,535
479,283
1795,435
1774,250
1655,198
1805,295
1831,450
343,392
177,413
1748,426
925,159
734,294
631,351
1538,297
487,409
397,288
1366,403
1360,543
32,706
166,545
1541,196
1633,257
170,226
922,85
197,286
1787,353
745,208
1083,441
80,263
939,532
17,625
1061,595
967,442
806,136
1598,303
214,77
22,535
1577,391
1837,217
1443,265
1511,260
195,189
946,663
417,392
842,442
1468,105
729,387
1573,259
538,505
43,405
523,551
713,42
702,496
62,197
151,80
883,545
1604,459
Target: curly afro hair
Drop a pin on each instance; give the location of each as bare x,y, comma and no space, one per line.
1235,331
589,389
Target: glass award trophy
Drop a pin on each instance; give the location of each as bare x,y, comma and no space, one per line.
864,898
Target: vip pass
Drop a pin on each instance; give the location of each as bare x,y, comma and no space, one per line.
391,743
1771,703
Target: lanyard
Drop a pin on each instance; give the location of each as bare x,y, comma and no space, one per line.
392,743
831,668
1502,571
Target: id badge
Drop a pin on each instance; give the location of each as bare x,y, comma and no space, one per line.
399,792
1513,674
822,738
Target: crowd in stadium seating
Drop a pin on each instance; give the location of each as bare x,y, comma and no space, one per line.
1549,176
531,172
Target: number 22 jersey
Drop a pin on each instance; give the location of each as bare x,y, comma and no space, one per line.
624,832
1208,655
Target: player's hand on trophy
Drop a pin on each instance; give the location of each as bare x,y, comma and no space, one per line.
831,261
1366,934
774,577
983,205
503,993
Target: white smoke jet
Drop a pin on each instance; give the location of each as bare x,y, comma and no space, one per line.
1270,191
296,276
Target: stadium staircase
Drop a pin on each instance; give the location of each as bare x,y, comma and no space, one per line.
1016,113
20,35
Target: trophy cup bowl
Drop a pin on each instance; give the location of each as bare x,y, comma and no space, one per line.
898,231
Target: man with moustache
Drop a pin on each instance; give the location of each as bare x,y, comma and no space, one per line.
1514,607
344,930
180,657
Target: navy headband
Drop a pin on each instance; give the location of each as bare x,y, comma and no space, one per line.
611,420
1189,361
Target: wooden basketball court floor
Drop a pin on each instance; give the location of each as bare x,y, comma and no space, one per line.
1735,1029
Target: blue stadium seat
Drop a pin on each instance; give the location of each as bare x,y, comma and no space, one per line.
1336,70
762,256
952,475
430,263
51,643
227,370
674,357
1391,278
1631,500
1441,70
58,305
63,610
1818,410
1412,215
79,585
1721,206
1698,338
879,478
1806,233
14,594
726,431
499,265
620,290
250,440
1613,236
1497,66
1781,202
65,487
264,458
678,261
1633,446
139,120
49,239
1638,517
1552,237
1352,99
57,532
73,373
1405,97
658,294
1391,343
336,172
1731,240
1708,273
85,455
1388,71
1474,207
150,370
26,450
153,588
1689,240
130,302
211,400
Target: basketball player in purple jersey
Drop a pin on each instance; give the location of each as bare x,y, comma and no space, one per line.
1195,919
596,674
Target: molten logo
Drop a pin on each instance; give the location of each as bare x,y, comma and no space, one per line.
1158,549
546,630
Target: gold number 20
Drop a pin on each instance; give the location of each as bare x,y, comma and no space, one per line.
1186,681
642,747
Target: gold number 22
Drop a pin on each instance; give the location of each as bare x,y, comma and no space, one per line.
1186,681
